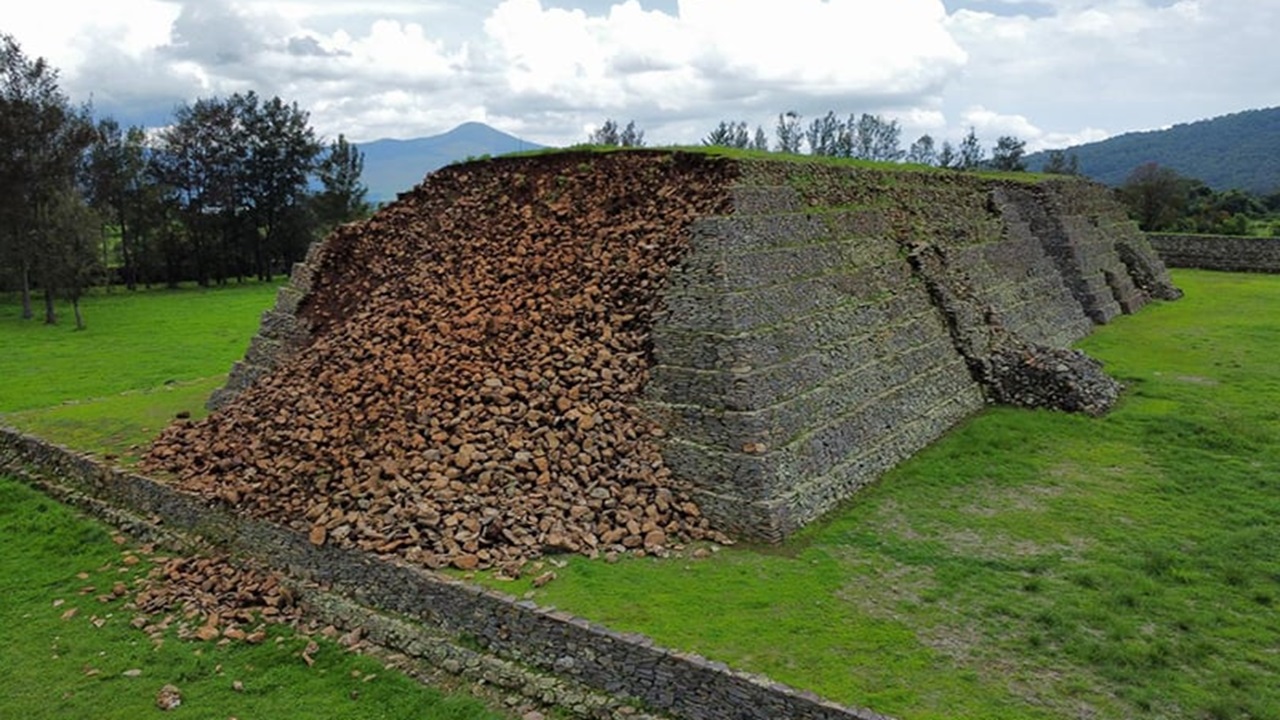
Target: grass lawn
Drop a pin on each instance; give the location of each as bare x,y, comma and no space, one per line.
66,654
1028,565
144,357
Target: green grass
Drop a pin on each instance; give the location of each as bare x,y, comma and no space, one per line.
1030,564
75,667
133,341
144,357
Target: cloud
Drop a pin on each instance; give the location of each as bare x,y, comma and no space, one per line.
386,76
723,56
1117,64
989,125
305,45
1045,70
215,33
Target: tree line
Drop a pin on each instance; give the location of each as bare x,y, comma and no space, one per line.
863,137
234,188
1162,200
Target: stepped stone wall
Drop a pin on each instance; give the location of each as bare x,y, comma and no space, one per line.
839,319
280,334
1218,252
798,358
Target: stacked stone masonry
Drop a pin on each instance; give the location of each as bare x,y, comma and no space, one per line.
1218,252
840,319
280,334
627,667
789,340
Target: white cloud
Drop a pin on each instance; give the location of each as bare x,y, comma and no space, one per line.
403,51
723,58
921,119
990,125
1121,64
1055,140
884,45
63,30
1048,71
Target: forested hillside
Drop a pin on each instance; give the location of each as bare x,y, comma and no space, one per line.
1240,151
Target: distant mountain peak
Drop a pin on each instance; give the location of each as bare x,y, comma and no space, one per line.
475,125
394,166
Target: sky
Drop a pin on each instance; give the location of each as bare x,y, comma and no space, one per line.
1051,72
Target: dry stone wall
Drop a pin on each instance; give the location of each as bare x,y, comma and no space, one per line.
629,668
280,334
840,320
835,320
798,358
1218,252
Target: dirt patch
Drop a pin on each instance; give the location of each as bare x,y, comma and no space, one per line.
989,500
1197,380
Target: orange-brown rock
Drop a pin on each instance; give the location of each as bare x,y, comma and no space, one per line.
468,393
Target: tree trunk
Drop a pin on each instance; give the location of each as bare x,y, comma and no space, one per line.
260,243
75,305
27,311
106,259
50,314
126,252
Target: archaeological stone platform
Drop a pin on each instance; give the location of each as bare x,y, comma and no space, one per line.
839,318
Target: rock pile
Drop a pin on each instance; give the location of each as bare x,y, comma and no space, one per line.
467,396
212,599
1036,376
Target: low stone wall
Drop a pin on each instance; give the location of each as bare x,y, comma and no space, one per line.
1218,252
626,666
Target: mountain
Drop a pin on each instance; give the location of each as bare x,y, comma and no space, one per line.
1241,150
394,166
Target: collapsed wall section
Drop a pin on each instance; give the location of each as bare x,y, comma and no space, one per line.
544,354
464,391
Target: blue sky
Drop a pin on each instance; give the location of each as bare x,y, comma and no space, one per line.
1053,72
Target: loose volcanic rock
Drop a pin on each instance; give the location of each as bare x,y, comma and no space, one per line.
168,698
214,597
468,394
